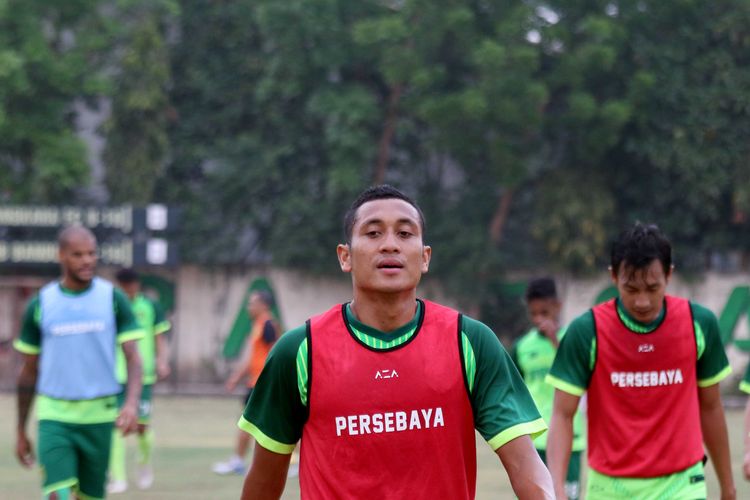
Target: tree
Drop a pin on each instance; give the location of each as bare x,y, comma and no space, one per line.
49,56
136,132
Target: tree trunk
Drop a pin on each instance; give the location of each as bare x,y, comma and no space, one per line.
386,138
500,217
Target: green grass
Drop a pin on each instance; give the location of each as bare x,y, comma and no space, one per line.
194,432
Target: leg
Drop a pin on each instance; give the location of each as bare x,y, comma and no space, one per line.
573,478
58,460
94,446
145,472
118,480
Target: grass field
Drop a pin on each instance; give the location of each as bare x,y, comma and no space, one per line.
193,432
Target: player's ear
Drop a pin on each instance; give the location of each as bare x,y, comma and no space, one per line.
344,254
426,256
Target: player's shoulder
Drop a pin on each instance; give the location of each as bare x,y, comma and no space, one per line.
289,343
582,328
475,329
701,313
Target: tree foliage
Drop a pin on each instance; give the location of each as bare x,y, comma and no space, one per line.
530,132
136,131
49,57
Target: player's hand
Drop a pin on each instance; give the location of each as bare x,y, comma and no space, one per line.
24,450
231,384
549,328
163,370
127,420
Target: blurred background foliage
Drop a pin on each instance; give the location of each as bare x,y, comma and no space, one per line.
530,132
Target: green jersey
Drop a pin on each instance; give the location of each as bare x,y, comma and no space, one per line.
502,406
533,354
152,321
576,355
745,383
85,411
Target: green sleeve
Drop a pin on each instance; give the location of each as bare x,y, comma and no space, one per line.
745,383
503,407
514,356
275,415
713,365
30,339
161,323
127,325
574,362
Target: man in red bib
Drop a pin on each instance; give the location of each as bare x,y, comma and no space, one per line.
385,392
651,364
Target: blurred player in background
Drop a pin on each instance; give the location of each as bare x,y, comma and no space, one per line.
651,365
386,391
153,349
264,333
533,354
745,387
69,336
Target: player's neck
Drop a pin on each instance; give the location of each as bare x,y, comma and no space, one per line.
70,283
384,312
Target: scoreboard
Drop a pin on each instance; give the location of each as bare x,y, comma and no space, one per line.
127,236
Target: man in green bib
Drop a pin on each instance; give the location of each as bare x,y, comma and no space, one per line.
533,354
154,354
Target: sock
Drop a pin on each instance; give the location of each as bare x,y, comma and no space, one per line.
145,445
117,457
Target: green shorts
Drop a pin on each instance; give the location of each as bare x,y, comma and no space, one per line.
144,405
573,477
74,456
687,484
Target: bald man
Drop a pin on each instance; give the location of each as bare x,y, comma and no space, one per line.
68,338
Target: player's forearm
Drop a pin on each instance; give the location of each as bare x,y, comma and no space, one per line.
135,374
559,445
716,438
26,390
267,476
528,476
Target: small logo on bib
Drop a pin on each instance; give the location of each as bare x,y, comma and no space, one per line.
386,374
646,348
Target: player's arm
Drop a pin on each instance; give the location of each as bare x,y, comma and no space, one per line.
26,389
275,415
560,438
569,375
162,357
161,326
127,420
267,476
746,463
240,369
716,438
28,344
526,471
128,333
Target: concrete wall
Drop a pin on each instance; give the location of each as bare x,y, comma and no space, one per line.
207,301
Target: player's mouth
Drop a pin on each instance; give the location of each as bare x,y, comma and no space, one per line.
390,265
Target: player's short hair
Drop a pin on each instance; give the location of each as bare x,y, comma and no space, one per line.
379,192
541,288
638,246
265,296
127,275
67,234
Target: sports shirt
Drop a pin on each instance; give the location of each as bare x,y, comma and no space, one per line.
84,411
745,383
151,319
502,406
576,355
533,354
